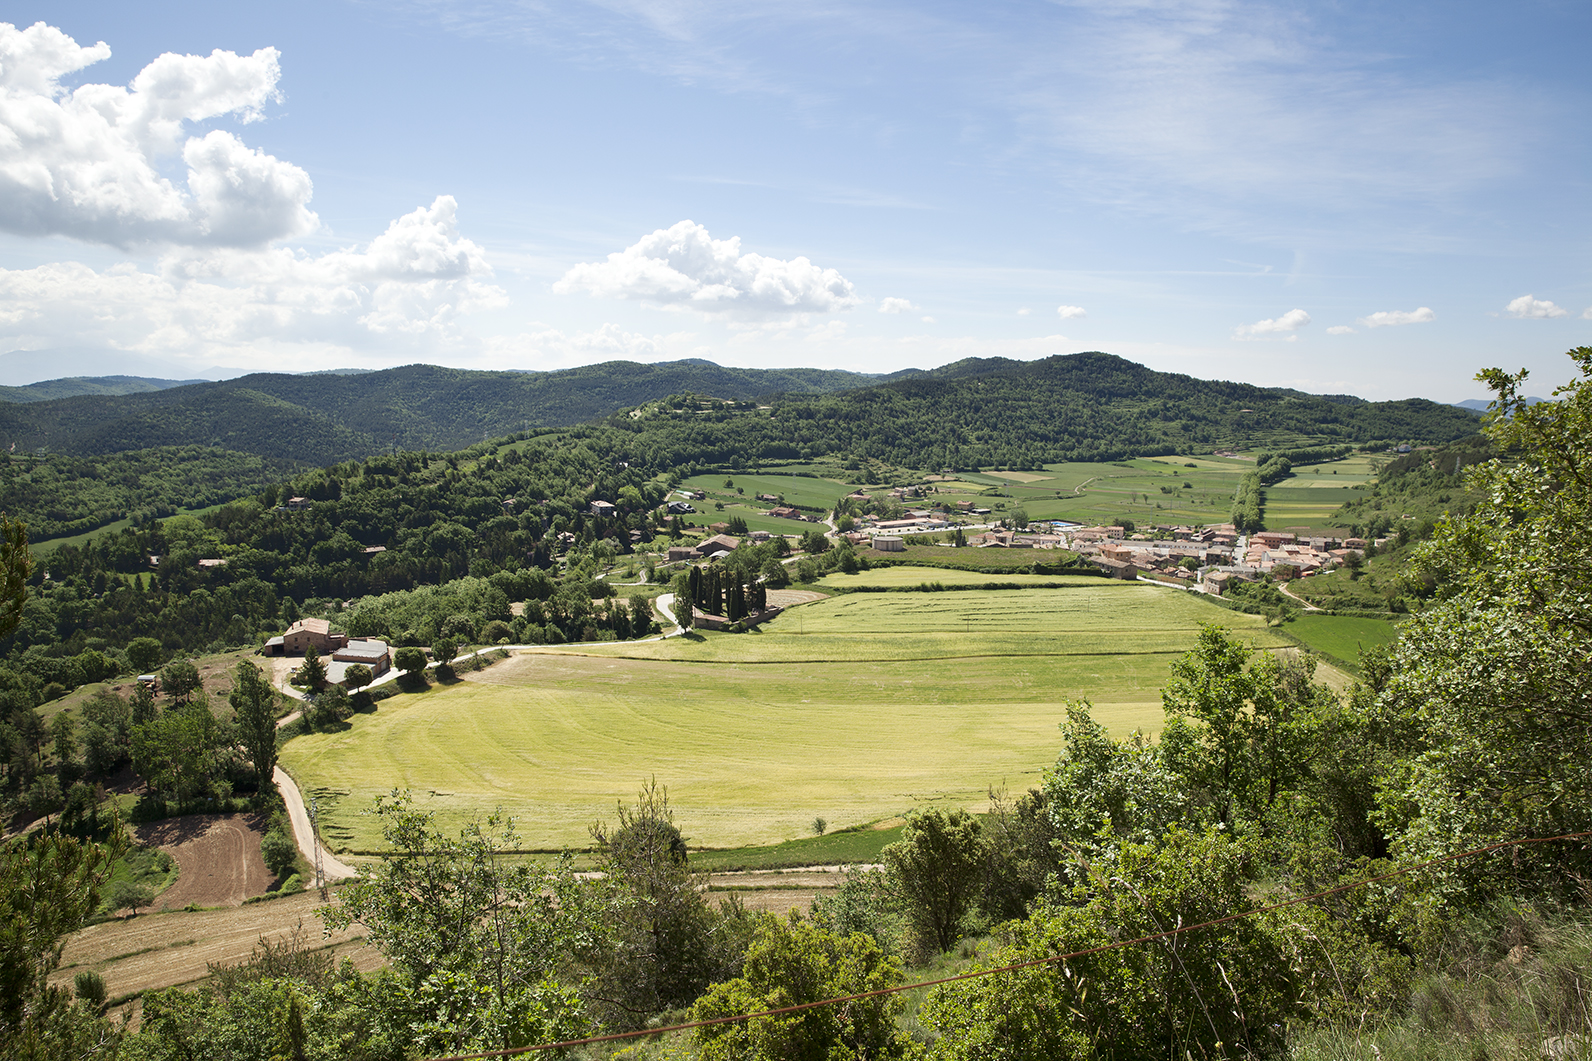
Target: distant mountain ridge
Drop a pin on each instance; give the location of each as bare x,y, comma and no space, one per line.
326,417
77,386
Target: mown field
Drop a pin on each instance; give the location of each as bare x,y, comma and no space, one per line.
854,709
1343,637
905,577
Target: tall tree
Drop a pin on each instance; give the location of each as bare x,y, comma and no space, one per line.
254,706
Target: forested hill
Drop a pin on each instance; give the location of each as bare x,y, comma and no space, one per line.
73,386
323,418
1090,406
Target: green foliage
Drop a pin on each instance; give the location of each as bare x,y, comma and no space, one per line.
409,660
254,707
935,871
357,676
179,680
49,886
16,564
1227,991
311,673
791,962
479,942
1491,679
665,945
145,654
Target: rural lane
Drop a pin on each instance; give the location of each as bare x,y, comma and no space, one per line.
330,864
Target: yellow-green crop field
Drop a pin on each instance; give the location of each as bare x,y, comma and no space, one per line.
854,708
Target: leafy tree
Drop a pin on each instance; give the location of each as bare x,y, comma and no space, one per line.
444,651
180,679
480,942
127,895
279,850
357,676
312,672
794,961
143,708
935,871
663,950
145,654
254,705
1490,681
63,730
409,660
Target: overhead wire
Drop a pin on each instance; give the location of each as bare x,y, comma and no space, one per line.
1015,966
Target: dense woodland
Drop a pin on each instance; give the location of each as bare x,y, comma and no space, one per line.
1263,787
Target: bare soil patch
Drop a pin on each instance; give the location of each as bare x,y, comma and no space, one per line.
218,858
154,951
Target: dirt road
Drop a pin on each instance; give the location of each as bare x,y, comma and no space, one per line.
300,817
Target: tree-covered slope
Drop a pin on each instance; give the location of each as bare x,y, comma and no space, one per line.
1089,406
323,418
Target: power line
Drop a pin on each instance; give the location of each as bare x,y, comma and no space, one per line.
615,1037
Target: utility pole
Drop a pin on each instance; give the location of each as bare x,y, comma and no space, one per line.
315,837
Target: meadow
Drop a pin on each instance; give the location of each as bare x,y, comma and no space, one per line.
855,708
1343,637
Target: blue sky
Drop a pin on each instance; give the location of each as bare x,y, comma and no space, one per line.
1350,197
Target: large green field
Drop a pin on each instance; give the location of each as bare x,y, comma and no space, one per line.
853,708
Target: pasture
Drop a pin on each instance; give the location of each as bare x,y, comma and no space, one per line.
1342,637
1167,490
909,577
853,708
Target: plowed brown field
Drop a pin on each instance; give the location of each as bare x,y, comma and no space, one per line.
218,858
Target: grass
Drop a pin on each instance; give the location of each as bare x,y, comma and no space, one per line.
909,577
852,846
796,489
854,708
1342,637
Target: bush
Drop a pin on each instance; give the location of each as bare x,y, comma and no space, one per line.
279,850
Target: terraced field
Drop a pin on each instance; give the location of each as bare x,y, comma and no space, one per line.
853,708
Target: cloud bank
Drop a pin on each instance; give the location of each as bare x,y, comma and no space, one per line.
87,162
408,286
684,267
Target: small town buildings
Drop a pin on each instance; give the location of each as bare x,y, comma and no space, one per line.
602,508
297,504
677,553
680,508
1116,568
786,512
367,651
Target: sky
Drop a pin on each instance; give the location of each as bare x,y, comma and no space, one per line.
1342,197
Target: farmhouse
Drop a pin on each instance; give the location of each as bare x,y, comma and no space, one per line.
719,543
786,512
681,552
304,633
602,508
680,508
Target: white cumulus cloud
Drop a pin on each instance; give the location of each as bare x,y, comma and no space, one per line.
406,288
1340,329
1389,318
684,267
896,305
1069,312
1282,328
1025,311
1528,308
88,162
